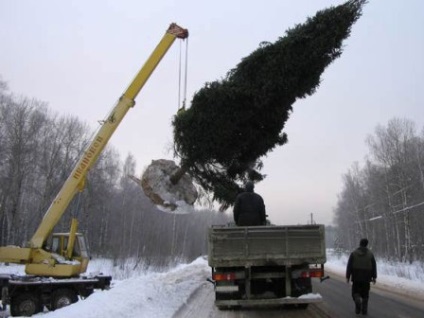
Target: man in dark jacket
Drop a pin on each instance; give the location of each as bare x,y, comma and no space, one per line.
362,269
249,208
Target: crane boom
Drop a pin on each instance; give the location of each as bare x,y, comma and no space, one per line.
76,179
66,254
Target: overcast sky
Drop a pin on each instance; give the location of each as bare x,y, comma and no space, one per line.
79,56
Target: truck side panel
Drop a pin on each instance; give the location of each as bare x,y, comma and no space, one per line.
266,245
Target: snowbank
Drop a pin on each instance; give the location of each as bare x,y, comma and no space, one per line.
150,295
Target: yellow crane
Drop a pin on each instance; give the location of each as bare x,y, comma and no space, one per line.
67,255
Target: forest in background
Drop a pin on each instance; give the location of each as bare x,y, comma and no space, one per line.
384,198
38,150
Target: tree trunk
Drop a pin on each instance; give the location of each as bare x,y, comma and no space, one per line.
176,177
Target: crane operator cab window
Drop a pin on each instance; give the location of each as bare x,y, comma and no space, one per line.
60,243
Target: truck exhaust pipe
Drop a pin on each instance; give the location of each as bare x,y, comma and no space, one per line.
324,278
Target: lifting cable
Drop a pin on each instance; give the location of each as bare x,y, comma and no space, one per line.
75,212
181,106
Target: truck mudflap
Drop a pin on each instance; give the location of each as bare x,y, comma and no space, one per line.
304,299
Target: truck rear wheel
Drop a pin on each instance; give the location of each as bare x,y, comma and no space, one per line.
63,297
26,304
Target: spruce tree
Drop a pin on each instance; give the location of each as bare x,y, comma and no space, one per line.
234,122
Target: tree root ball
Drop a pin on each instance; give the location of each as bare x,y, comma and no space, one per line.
159,189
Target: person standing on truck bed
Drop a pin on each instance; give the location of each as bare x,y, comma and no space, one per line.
362,268
249,208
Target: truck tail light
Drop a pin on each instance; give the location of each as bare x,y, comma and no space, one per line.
313,273
223,276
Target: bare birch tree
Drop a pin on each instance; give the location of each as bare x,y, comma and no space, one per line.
391,187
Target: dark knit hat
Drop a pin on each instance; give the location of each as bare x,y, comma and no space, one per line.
249,186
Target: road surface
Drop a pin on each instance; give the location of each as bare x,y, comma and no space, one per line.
383,303
337,304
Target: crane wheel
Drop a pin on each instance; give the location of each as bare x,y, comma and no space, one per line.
63,297
26,304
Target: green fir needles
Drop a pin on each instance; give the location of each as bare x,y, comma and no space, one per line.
234,122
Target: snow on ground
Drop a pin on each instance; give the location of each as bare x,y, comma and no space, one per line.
148,293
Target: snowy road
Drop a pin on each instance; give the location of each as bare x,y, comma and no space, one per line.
384,302
201,304
183,292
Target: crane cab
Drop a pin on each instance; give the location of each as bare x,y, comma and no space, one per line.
63,255
59,245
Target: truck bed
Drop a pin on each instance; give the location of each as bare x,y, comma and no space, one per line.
231,246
